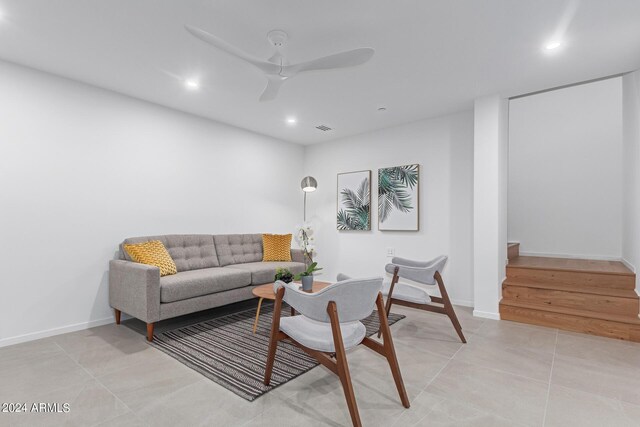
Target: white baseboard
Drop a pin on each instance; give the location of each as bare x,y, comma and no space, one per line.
628,265
55,331
4,342
572,256
486,315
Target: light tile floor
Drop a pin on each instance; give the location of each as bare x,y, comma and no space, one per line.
508,374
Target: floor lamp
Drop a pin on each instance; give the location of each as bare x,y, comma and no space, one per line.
308,185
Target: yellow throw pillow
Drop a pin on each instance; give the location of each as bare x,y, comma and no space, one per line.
152,253
276,247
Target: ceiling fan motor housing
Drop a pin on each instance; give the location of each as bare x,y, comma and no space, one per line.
278,38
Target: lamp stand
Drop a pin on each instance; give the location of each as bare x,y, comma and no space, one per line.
305,207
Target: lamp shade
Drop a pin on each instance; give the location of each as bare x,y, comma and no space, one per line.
309,184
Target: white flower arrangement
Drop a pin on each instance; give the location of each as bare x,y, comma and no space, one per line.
306,240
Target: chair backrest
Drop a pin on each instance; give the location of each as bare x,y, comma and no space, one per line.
418,271
355,299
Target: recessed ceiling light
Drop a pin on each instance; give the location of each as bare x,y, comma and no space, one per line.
291,120
553,45
191,84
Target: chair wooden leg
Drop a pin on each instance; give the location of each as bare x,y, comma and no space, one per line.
449,307
394,281
456,325
150,332
390,353
387,309
273,339
271,358
117,312
342,365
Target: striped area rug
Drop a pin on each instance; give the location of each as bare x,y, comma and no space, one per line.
227,352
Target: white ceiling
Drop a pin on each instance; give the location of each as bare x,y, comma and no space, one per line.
432,57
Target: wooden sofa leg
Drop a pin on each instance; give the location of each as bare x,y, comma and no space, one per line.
117,315
150,332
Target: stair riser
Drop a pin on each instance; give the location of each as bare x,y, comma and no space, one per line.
603,328
619,293
575,300
594,280
513,251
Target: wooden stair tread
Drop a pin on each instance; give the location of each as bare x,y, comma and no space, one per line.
571,264
612,292
634,320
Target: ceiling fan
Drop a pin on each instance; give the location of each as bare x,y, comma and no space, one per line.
277,69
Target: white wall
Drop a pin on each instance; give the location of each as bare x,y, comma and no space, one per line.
444,149
489,203
631,177
82,168
565,171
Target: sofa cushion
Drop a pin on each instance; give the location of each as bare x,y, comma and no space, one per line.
188,251
238,248
152,253
265,272
276,247
195,283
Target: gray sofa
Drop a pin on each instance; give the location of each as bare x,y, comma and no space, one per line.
213,270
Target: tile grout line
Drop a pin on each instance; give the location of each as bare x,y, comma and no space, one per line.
491,368
467,334
546,405
436,376
512,373
596,395
497,370
96,380
428,412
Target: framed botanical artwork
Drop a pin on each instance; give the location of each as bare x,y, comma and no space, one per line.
354,201
398,189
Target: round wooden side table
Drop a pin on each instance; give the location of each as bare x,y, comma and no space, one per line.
266,292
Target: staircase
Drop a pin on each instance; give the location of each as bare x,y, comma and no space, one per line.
589,296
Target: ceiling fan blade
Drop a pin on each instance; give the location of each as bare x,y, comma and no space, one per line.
349,58
215,41
271,90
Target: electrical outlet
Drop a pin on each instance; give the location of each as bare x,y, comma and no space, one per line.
391,252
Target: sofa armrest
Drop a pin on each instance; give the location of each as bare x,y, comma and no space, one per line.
297,255
135,289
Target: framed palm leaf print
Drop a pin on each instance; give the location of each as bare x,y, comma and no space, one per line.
398,189
354,201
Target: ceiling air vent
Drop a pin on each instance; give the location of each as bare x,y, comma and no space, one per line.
323,128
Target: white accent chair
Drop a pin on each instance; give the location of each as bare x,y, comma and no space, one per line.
424,273
329,324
